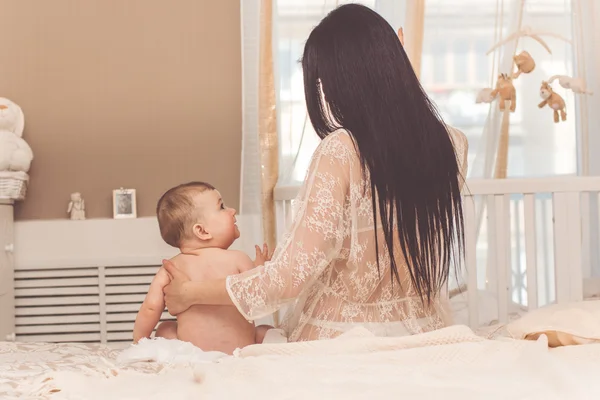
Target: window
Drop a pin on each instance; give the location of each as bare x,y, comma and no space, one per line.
439,58
483,64
297,140
453,74
461,65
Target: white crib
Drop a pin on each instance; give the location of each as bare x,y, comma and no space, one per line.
535,243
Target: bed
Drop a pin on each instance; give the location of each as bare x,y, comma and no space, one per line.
532,251
449,363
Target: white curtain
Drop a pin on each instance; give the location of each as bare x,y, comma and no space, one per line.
250,183
586,17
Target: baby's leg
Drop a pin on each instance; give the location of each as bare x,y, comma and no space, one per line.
167,330
261,331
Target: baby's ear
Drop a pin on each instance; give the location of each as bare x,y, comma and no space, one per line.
200,232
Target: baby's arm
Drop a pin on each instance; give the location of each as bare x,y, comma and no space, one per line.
241,260
152,307
244,263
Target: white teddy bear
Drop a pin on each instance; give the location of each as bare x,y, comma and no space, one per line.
15,153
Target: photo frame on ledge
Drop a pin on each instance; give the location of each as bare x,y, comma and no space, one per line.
124,204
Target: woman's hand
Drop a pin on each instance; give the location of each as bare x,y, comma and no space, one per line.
178,296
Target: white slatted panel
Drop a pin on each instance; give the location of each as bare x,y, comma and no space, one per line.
80,304
492,264
502,253
586,232
57,305
567,238
574,247
471,259
561,252
102,302
531,251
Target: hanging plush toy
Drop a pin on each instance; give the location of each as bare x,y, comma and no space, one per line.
507,92
577,85
553,100
485,96
524,63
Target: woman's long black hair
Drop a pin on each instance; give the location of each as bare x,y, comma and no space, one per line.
370,89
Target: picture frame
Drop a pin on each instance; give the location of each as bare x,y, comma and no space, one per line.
124,204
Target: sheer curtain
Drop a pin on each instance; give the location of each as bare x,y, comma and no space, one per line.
259,120
250,184
586,17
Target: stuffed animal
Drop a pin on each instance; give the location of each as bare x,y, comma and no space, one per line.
507,92
553,100
485,96
524,63
15,153
577,85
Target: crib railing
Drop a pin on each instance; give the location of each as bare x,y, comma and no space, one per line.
536,242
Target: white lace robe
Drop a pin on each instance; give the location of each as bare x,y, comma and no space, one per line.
325,267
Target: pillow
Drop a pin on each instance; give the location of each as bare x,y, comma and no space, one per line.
563,324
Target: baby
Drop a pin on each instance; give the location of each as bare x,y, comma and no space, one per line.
193,218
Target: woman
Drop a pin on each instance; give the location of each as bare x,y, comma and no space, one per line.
379,218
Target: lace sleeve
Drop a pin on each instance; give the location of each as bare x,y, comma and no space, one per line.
313,241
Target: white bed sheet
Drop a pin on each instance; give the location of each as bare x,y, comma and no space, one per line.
452,363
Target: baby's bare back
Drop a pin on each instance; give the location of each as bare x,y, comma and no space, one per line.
212,328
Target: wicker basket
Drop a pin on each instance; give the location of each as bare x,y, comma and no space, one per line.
13,185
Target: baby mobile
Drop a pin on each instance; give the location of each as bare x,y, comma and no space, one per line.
505,90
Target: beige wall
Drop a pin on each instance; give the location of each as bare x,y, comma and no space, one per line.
141,94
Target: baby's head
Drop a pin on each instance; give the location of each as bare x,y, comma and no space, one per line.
192,215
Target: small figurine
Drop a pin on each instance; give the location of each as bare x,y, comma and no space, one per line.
553,100
76,207
507,92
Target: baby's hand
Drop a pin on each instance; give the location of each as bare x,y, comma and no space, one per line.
262,255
